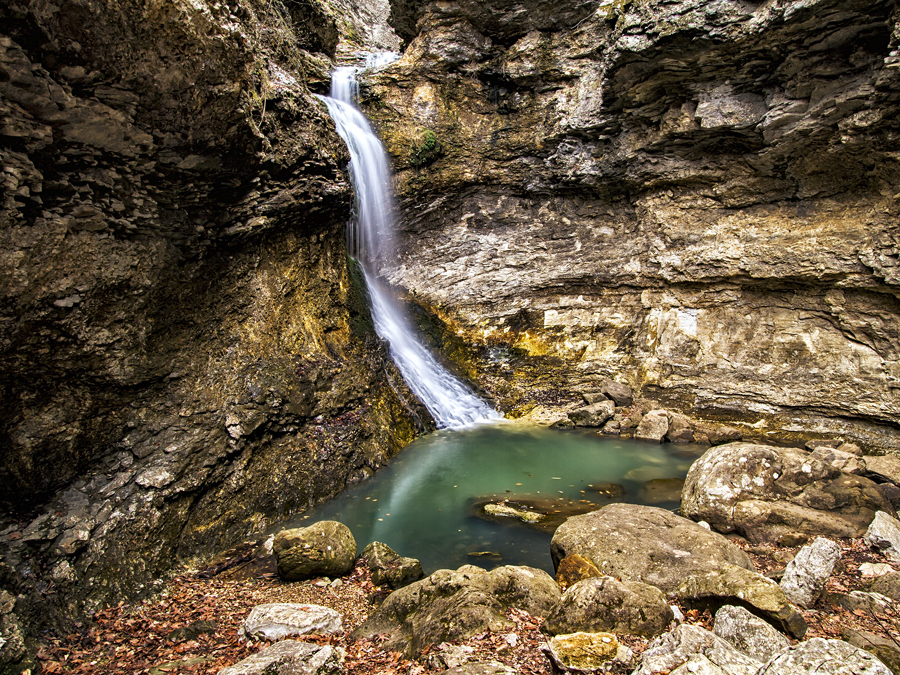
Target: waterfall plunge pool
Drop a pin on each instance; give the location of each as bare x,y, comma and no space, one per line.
428,503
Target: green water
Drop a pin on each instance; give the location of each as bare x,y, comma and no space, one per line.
421,504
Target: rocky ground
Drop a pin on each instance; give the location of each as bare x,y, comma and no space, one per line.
161,636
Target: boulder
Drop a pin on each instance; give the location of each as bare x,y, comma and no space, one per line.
884,534
824,657
620,393
840,460
604,604
594,415
806,575
887,585
680,429
719,435
646,544
885,467
326,548
574,568
669,651
278,620
581,652
661,490
884,649
748,633
389,567
290,657
735,585
653,427
764,493
455,605
860,600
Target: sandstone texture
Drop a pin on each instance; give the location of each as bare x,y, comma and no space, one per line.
697,200
185,354
645,544
764,493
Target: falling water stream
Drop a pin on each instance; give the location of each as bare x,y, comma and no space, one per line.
429,503
370,240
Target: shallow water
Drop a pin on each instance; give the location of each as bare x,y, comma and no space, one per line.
421,504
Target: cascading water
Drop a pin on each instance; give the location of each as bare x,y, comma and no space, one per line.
370,241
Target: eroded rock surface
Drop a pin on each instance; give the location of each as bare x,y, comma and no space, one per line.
645,544
764,493
696,200
185,355
457,604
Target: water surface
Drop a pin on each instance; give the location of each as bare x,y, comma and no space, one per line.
421,504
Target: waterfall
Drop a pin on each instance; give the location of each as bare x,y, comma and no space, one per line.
370,241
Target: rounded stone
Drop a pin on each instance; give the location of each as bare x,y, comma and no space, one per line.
326,548
646,544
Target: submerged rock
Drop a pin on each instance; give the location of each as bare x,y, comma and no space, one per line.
544,515
764,493
326,548
645,544
468,601
660,490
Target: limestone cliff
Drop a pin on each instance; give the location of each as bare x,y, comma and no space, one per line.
184,355
697,198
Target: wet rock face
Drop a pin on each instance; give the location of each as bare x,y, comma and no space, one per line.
695,200
184,355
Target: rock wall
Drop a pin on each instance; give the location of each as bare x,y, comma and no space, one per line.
699,199
185,355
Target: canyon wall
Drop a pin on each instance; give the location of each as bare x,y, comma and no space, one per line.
185,354
699,199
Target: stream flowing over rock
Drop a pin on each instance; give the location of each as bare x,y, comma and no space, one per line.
695,199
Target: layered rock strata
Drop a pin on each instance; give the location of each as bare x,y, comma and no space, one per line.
697,199
185,355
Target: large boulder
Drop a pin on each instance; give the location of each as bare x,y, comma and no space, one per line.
824,657
290,657
687,643
604,604
646,544
455,605
764,493
326,548
733,585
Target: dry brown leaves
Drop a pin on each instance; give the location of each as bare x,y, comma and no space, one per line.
133,639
